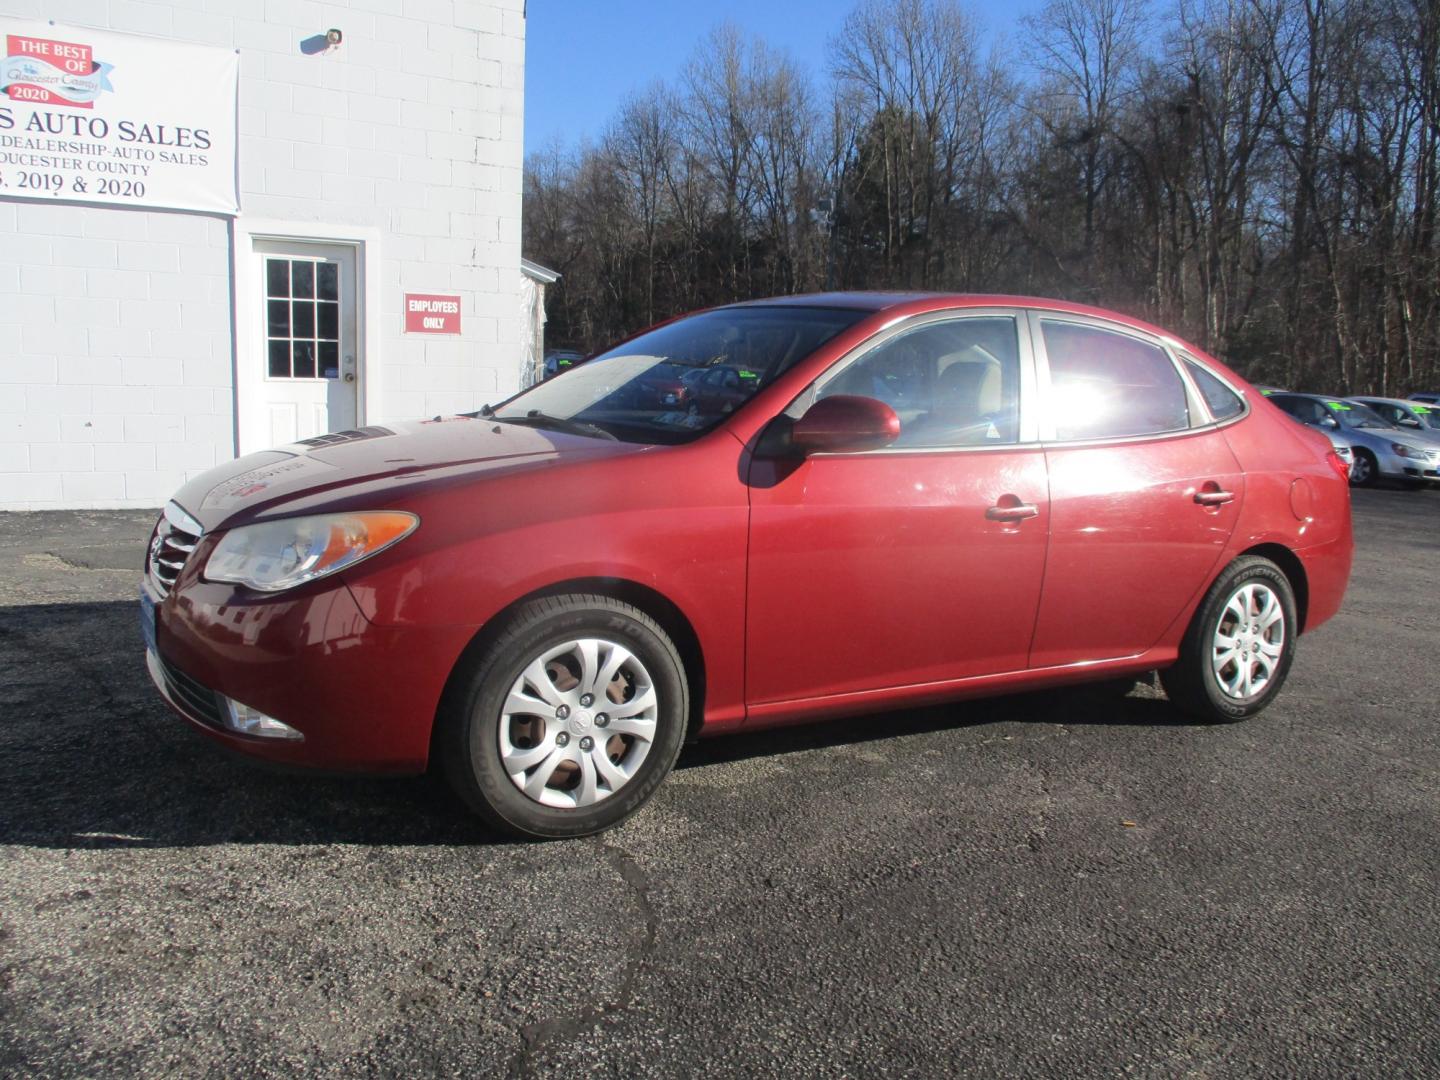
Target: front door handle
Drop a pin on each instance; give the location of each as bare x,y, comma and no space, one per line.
1012,511
1213,495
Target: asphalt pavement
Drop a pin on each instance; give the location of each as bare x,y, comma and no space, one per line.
1065,884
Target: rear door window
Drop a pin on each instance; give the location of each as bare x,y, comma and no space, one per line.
1108,385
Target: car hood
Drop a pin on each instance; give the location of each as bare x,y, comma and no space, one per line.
1382,438
376,463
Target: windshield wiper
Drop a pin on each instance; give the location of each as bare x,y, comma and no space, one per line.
536,418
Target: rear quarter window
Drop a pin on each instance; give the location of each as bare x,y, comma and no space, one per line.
1222,402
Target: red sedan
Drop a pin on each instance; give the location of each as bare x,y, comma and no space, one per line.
921,499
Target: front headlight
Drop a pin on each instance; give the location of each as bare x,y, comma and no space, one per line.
279,555
1401,450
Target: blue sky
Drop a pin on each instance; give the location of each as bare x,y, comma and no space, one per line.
584,57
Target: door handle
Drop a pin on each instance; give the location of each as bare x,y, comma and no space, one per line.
1214,496
1016,511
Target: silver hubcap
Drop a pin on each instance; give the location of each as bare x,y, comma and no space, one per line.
578,723
1248,642
1360,468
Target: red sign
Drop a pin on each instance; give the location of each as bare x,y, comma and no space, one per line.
429,314
47,72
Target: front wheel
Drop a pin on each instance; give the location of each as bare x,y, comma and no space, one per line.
1364,470
1239,647
569,721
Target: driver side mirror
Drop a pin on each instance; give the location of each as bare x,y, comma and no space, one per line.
1328,421
1408,421
845,423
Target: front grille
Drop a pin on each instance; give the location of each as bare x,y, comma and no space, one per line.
191,696
175,537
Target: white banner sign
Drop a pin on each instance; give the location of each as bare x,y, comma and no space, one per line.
100,117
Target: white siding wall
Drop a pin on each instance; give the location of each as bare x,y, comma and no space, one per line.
116,337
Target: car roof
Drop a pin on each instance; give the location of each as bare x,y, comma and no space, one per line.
901,304
1385,400
1312,397
865,300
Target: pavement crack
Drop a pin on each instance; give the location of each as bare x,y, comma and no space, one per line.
537,1036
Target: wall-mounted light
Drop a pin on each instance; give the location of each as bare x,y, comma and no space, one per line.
316,44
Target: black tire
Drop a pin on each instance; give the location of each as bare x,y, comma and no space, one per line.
1365,471
1192,684
469,736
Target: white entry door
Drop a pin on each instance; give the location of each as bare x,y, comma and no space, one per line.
309,363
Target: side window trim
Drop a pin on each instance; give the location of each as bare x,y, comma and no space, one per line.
1028,428
1046,418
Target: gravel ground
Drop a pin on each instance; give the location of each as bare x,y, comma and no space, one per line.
1063,884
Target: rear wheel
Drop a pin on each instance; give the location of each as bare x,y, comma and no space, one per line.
1239,647
1364,471
568,723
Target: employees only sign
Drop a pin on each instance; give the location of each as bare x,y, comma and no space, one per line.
427,313
94,116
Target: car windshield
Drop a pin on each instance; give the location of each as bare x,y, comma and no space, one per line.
681,379
1352,414
1427,415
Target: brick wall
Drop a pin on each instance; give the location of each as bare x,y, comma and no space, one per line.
116,340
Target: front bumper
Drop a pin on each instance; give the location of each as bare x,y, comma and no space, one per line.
1408,468
362,696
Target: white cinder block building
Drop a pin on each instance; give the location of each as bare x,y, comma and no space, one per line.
230,224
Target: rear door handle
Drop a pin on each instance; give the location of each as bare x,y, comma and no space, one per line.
1017,511
1214,496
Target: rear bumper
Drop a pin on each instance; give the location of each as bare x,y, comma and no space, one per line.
1327,574
362,696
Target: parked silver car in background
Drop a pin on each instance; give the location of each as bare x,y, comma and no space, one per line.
1381,449
1426,398
1413,416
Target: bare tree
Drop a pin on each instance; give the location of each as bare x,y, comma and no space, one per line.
1261,175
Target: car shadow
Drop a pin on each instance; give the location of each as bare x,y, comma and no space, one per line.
91,758
1107,704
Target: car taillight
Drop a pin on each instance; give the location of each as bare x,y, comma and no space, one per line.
1339,464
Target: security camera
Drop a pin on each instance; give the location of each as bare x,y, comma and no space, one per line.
333,37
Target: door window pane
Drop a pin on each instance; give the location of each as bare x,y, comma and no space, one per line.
279,359
278,323
327,281
954,383
328,323
304,356
330,359
277,277
302,278
304,319
1105,385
